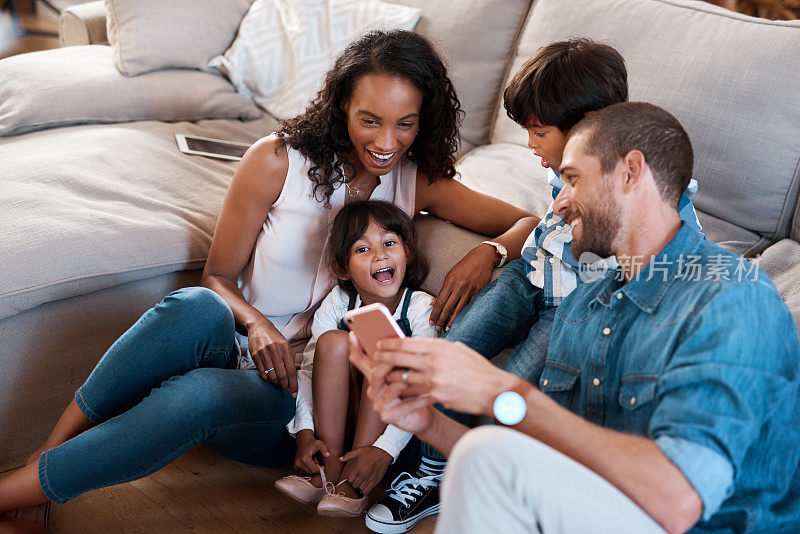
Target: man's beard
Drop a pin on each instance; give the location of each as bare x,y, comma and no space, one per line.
600,227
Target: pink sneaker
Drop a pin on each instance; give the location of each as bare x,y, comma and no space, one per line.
301,489
337,505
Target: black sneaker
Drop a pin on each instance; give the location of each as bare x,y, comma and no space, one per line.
409,500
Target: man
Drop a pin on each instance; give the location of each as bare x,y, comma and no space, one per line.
669,399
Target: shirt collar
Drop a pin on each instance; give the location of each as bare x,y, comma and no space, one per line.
654,280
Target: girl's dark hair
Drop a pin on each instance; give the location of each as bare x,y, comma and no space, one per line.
564,81
320,132
349,226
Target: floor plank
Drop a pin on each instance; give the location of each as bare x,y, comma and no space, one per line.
202,492
11,45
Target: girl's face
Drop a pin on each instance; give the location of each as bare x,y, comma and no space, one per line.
377,266
382,121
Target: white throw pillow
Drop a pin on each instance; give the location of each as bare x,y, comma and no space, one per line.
284,47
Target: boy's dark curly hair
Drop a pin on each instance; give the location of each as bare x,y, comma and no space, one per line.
320,132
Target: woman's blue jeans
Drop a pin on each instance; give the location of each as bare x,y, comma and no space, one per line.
166,385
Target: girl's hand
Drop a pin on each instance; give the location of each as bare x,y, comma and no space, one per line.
462,283
271,352
365,467
307,447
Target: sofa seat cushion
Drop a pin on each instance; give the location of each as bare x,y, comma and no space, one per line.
91,207
781,262
737,99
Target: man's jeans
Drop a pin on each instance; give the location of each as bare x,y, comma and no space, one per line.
509,312
166,385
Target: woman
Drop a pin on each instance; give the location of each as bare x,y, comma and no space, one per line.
384,126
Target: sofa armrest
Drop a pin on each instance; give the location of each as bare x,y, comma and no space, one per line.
83,24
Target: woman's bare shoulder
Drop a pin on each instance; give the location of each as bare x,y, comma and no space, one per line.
263,168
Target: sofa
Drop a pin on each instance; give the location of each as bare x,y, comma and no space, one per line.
100,215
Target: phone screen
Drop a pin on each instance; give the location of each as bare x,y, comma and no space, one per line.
215,147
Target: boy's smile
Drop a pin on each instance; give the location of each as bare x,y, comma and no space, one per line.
547,142
377,266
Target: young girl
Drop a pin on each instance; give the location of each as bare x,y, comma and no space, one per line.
373,253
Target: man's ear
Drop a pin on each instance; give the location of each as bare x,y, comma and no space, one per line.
634,168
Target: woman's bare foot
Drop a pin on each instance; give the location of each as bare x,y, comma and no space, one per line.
20,489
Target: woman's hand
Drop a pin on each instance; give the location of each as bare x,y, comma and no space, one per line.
272,355
365,467
462,283
307,447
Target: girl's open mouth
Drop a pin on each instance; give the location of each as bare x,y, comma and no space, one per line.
384,276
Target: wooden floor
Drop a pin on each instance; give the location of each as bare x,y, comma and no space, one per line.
30,43
201,492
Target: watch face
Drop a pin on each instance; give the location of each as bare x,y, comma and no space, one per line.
509,408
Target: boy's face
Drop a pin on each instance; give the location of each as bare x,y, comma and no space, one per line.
377,265
547,142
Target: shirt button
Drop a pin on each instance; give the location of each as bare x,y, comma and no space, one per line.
545,381
552,260
596,381
619,296
633,401
606,331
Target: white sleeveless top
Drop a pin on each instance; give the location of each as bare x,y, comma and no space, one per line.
287,275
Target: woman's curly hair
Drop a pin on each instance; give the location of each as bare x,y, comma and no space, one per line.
320,132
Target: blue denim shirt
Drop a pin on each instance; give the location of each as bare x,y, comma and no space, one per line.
700,354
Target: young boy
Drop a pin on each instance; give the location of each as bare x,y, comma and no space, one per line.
548,95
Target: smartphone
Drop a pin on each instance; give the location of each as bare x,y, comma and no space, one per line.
372,323
212,148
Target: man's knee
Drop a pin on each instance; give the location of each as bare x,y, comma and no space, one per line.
497,452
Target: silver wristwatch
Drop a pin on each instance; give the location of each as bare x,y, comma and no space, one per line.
500,249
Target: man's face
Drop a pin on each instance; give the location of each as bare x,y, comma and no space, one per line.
587,201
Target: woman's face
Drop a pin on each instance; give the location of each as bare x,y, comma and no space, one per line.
382,121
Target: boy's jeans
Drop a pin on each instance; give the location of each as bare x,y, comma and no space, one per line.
166,385
508,312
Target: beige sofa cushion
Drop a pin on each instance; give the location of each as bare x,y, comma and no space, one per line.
731,80
79,84
158,34
477,38
91,207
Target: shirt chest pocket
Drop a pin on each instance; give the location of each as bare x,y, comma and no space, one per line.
637,399
559,381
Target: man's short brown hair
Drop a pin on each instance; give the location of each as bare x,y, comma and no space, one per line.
616,130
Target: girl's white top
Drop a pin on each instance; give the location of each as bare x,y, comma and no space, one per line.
287,275
328,317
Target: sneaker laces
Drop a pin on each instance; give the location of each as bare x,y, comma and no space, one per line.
412,487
